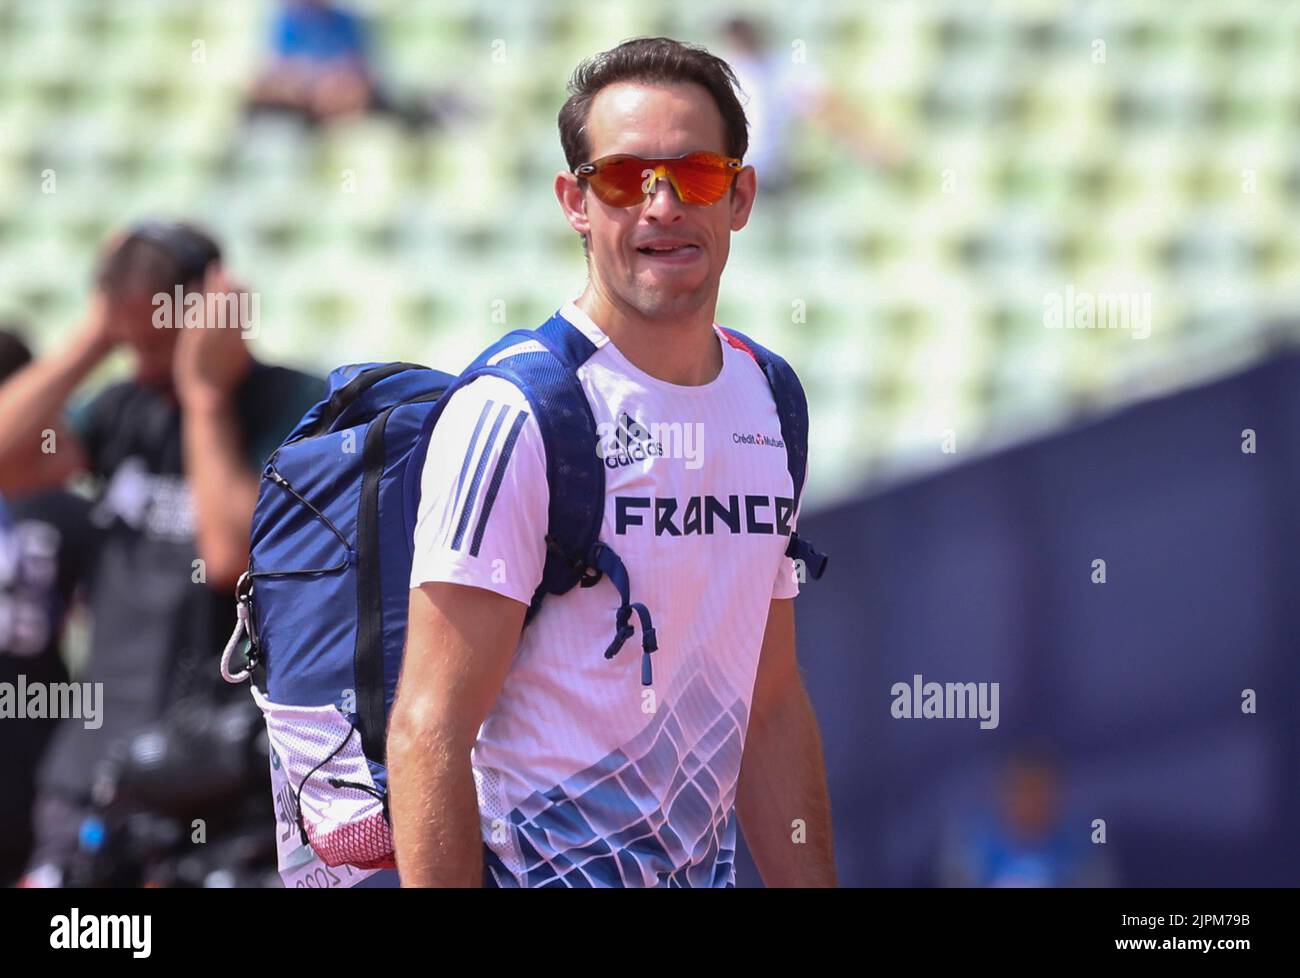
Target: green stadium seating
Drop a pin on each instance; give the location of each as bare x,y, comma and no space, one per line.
910,297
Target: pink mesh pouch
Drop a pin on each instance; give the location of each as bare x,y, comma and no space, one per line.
339,807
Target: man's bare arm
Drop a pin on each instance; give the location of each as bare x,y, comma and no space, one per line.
208,367
460,641
222,487
782,800
33,399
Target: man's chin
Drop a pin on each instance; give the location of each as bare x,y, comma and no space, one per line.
676,293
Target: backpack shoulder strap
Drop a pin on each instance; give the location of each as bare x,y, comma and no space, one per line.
575,472
792,410
543,364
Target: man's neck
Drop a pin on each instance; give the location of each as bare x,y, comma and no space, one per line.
677,350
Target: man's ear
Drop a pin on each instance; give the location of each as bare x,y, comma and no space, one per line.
743,191
573,201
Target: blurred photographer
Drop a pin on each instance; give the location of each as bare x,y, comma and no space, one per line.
175,452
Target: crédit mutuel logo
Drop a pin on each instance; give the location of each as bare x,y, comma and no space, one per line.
757,438
628,440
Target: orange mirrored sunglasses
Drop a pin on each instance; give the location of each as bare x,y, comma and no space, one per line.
623,180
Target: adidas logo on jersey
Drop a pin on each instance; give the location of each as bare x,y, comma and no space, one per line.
628,440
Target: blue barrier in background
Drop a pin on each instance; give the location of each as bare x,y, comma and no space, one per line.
983,573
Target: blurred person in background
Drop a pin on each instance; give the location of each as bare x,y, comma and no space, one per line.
321,70
784,92
46,543
176,451
1028,840
320,66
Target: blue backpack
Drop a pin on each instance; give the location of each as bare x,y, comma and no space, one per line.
323,603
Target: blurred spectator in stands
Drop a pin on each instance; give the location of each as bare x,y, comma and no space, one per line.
46,544
1026,841
320,64
785,90
322,70
176,450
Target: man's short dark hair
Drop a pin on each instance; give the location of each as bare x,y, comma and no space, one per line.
156,256
655,60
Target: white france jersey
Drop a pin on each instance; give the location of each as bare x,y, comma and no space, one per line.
584,776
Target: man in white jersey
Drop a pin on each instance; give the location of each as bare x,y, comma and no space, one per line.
525,757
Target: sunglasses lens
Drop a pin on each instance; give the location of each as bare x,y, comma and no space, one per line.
618,182
700,178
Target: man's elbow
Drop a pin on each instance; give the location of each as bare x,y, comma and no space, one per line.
419,726
780,705
408,717
403,734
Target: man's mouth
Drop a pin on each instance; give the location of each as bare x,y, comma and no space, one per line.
679,251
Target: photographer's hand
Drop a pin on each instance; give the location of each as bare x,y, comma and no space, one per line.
210,363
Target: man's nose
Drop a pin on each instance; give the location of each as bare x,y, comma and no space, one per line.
663,203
